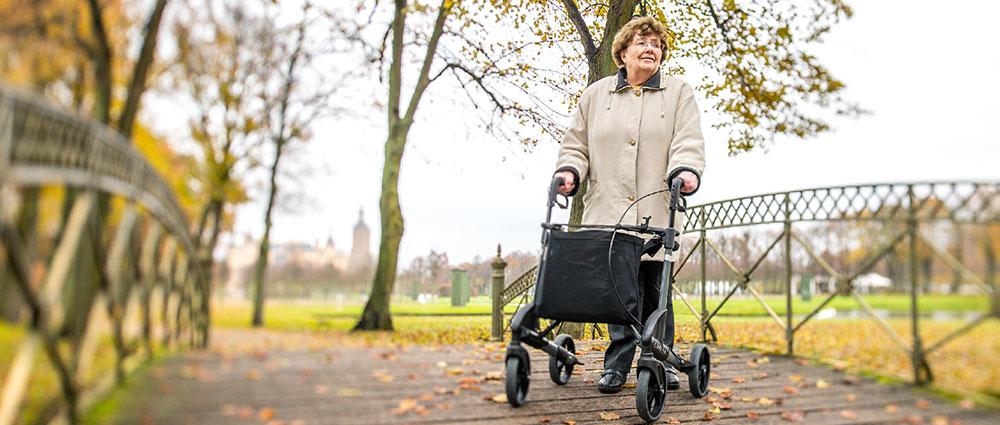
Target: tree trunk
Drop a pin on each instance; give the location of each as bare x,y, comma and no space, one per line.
376,314
959,249
599,65
265,241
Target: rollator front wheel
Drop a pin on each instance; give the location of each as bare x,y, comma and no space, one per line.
559,371
699,375
517,381
650,395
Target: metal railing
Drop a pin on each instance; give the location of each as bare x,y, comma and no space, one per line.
140,254
908,204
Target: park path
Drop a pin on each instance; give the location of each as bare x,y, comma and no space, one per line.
358,384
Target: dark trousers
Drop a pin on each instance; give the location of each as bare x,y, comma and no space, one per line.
622,349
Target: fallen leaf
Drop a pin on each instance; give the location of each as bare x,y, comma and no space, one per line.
670,420
500,398
709,416
421,410
764,401
253,375
761,375
413,376
440,390
802,362
628,385
426,397
795,378
891,408
764,359
747,399
849,415
441,364
753,416
967,404
494,376
850,397
939,420
721,405
405,405
545,420
793,416
456,371
609,416
739,380
442,406
923,404
913,420
265,414
822,384
569,422
790,390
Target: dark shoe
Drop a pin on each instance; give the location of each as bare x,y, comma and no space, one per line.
611,382
672,382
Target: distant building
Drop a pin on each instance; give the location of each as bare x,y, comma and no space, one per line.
361,257
241,259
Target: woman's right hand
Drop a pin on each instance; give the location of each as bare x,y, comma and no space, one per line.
568,182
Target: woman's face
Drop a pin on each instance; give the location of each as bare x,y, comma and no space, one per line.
643,54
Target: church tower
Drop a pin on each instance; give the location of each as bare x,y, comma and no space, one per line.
361,257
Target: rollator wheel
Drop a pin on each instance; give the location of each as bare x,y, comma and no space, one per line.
698,376
559,371
650,394
517,381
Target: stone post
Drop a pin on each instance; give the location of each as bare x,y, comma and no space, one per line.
498,275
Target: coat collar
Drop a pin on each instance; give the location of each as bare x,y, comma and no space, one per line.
652,83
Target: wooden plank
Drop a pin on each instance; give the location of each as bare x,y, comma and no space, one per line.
16,383
349,385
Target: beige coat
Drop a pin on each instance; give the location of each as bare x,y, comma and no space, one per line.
626,143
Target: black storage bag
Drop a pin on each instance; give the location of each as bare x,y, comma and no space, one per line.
575,282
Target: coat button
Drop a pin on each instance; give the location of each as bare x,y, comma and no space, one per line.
631,198
637,93
631,141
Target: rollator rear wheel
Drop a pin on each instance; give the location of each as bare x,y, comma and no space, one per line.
517,381
698,376
650,394
559,371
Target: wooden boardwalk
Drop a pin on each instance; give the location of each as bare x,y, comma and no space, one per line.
463,384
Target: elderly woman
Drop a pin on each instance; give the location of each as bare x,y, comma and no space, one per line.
635,131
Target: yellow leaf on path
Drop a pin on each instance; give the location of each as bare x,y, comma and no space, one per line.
891,408
629,385
265,414
764,401
739,380
939,420
253,375
569,422
494,376
348,392
849,415
500,398
747,399
795,378
456,371
609,416
671,420
822,384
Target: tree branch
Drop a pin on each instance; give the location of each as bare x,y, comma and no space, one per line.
137,85
589,49
425,69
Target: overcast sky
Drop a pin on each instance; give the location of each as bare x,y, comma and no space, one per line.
927,70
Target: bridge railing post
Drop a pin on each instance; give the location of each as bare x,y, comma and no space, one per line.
789,328
498,275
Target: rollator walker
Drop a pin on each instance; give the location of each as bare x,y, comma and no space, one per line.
590,276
